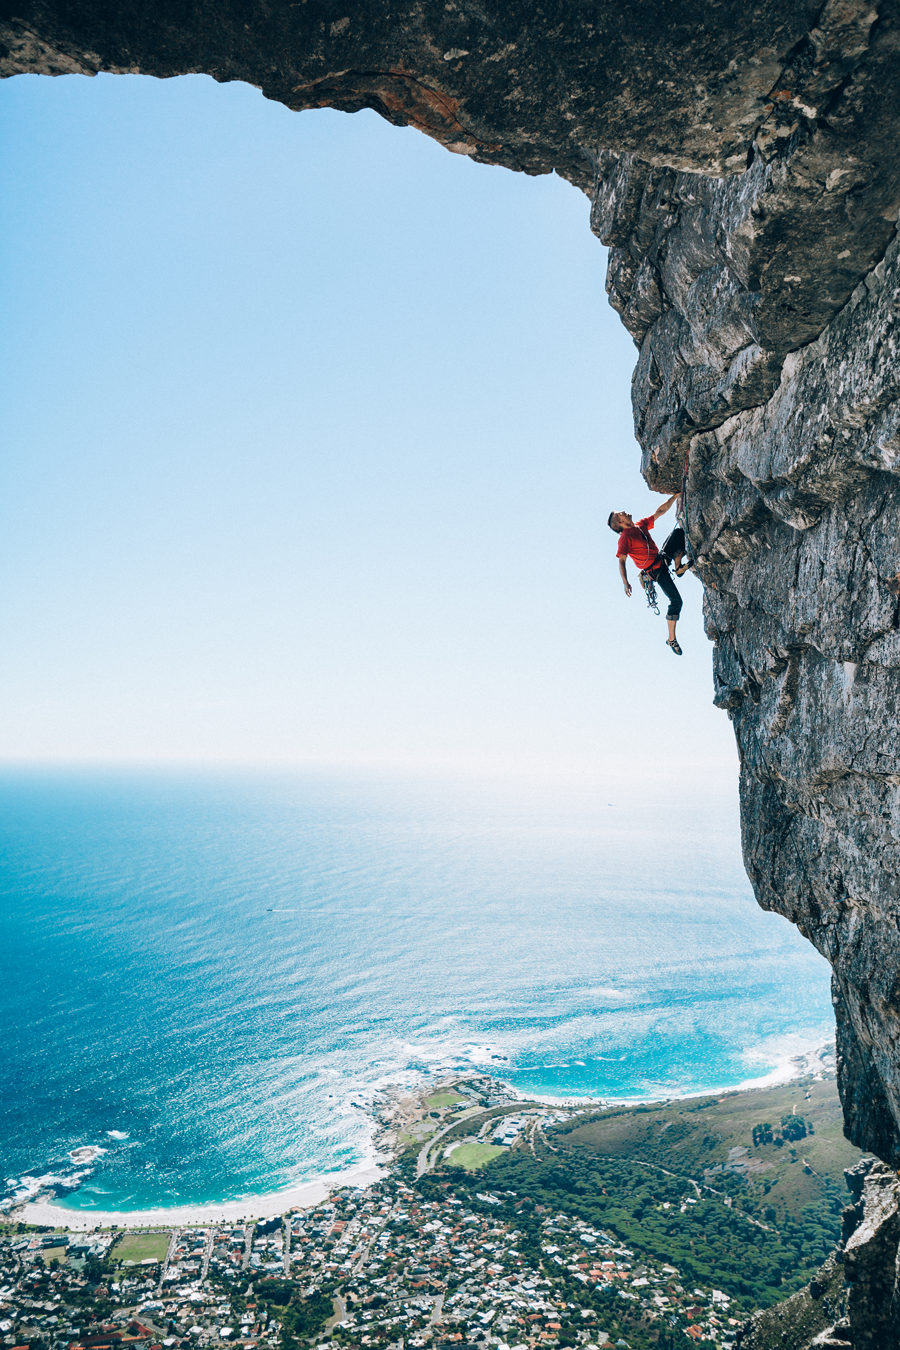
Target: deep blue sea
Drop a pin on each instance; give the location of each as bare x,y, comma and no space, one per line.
202,972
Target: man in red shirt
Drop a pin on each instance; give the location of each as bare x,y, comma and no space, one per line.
635,542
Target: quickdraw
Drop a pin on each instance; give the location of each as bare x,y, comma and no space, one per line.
650,591
647,579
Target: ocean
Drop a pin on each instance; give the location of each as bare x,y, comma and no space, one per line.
209,975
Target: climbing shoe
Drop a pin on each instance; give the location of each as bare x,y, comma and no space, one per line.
673,643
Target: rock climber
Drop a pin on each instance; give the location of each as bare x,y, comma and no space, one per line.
635,542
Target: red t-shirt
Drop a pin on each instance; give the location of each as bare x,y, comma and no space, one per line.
636,543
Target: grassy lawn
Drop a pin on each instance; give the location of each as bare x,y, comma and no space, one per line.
473,1156
443,1099
141,1247
53,1254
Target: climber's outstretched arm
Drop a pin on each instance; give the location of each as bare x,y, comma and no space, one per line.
624,575
661,510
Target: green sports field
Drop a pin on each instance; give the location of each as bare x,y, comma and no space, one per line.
142,1247
53,1254
443,1099
473,1156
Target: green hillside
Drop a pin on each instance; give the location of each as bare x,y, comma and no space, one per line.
705,1138
684,1182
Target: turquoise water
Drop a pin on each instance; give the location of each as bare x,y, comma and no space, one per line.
209,975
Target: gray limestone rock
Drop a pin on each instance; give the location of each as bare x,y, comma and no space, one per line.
794,510
532,86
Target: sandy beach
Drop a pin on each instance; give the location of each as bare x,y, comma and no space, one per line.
231,1211
399,1110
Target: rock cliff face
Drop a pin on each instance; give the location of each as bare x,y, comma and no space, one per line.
744,167
855,1298
534,86
773,375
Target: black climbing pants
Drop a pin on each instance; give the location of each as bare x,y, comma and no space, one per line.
662,578
675,545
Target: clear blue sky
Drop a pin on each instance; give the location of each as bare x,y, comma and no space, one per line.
311,430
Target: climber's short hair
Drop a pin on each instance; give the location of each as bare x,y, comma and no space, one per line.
616,529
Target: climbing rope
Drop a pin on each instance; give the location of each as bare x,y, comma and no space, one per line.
684,511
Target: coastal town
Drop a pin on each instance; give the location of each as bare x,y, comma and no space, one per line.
435,1253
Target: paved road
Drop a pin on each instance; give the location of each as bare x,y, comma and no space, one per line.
340,1312
378,1226
207,1253
173,1243
422,1162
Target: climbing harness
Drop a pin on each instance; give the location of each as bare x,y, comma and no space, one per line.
650,591
647,580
